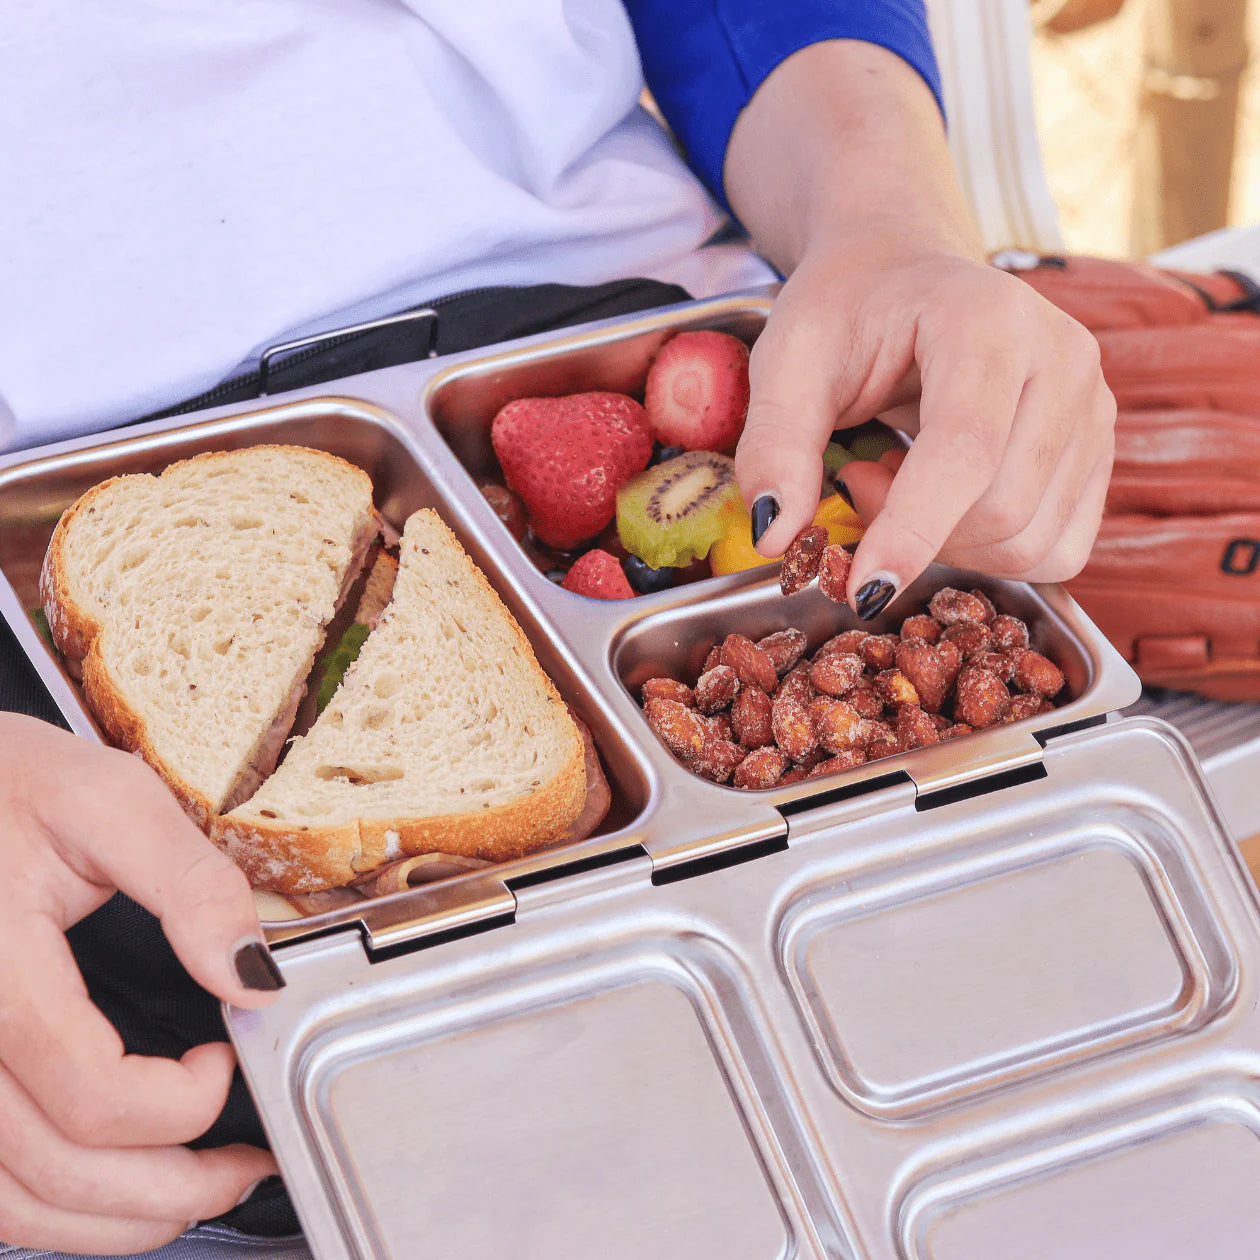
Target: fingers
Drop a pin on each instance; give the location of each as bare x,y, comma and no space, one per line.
124,829
1070,554
970,395
790,417
1044,530
69,1059
150,1184
30,1222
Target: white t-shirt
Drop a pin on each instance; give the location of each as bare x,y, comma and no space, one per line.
183,182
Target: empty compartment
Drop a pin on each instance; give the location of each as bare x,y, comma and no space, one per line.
1173,1195
913,992
493,1138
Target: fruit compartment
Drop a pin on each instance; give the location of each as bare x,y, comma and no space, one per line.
463,401
35,491
674,643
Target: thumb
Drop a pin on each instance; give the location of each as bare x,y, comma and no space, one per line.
778,462
129,832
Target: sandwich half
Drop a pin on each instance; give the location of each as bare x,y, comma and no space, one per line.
192,604
445,736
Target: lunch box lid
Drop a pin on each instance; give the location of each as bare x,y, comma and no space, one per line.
924,1025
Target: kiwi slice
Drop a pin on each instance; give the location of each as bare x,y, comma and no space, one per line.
671,514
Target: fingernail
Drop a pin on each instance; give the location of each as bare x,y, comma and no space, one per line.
765,510
875,596
843,491
257,969
249,1191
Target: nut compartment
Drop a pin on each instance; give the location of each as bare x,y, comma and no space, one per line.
673,642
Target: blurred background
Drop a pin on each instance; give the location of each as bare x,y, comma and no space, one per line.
1148,113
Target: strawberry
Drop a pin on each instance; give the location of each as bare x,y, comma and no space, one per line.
567,457
598,575
697,392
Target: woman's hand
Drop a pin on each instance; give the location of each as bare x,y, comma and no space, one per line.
838,166
1003,392
91,1154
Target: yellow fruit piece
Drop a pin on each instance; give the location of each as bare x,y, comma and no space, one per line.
843,524
734,552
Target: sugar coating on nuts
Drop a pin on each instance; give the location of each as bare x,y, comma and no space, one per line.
969,637
833,573
682,730
1008,632
982,698
952,607
716,688
750,718
668,689
922,666
1036,673
762,768
784,648
717,760
921,626
751,665
836,673
793,730
802,558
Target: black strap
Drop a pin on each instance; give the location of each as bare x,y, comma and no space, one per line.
461,321
130,969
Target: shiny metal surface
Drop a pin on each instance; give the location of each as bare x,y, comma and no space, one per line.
1226,739
949,1004
422,432
1023,1023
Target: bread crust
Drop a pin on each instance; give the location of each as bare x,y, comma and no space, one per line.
76,634
280,857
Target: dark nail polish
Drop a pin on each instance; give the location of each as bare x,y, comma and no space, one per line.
873,598
257,969
843,491
764,513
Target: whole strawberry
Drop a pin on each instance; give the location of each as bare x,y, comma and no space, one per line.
567,457
697,392
598,575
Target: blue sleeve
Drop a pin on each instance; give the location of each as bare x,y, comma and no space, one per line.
704,59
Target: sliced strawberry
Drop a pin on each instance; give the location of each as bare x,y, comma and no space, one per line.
598,575
567,457
697,392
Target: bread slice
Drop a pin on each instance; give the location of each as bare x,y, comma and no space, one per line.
193,603
446,736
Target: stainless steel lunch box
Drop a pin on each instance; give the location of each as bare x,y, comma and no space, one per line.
991,999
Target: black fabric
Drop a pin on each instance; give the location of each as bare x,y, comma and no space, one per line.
131,971
462,321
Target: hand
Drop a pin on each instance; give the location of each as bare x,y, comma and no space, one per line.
1013,421
91,1154
839,168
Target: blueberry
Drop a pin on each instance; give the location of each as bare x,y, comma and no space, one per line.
555,575
661,453
645,579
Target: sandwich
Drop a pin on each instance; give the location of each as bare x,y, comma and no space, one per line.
194,605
